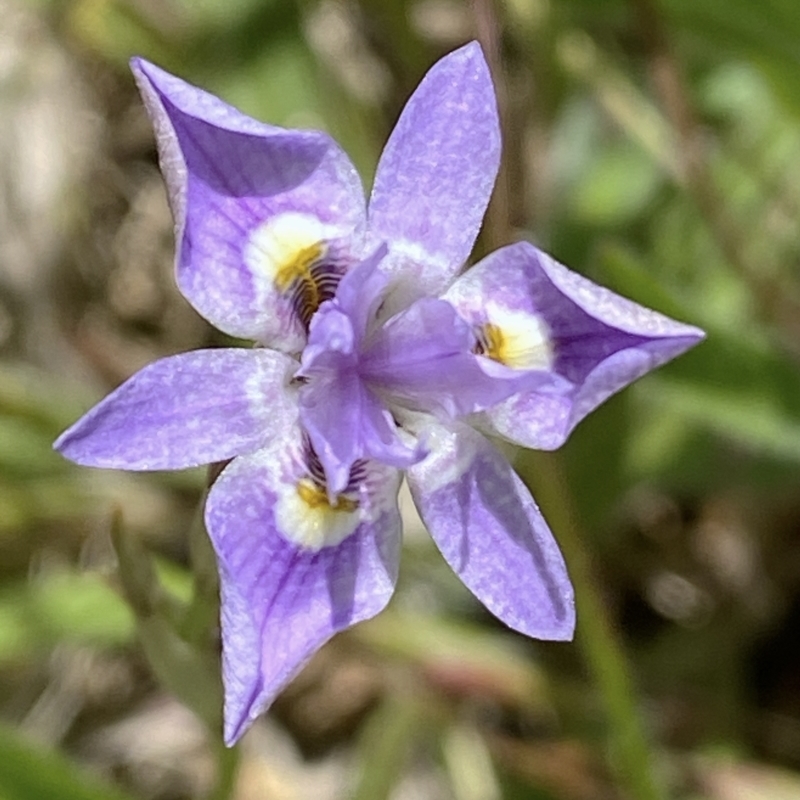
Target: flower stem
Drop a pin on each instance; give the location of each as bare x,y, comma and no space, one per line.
631,757
227,770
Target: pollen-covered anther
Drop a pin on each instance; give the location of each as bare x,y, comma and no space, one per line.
517,339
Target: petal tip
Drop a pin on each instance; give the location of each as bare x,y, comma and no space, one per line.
68,445
564,630
678,341
234,727
697,334
139,64
472,51
61,444
470,60
145,73
239,717
556,624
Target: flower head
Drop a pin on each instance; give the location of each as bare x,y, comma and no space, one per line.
374,356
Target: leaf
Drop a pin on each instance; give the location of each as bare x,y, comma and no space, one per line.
736,383
61,606
391,733
81,607
30,772
190,674
618,186
186,668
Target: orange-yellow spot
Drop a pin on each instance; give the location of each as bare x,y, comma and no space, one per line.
299,267
493,344
315,496
521,341
296,276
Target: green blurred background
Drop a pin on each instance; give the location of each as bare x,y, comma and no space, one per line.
653,145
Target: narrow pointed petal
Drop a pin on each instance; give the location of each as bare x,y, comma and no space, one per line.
491,532
592,338
252,202
281,600
436,173
186,410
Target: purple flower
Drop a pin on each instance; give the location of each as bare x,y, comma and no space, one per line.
374,357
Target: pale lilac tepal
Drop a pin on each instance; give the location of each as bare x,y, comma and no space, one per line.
376,355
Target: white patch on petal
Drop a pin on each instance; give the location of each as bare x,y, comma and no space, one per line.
305,516
308,517
450,456
270,397
519,339
413,273
277,242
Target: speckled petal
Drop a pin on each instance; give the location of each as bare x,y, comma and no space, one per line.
600,341
187,410
436,173
282,601
491,532
245,194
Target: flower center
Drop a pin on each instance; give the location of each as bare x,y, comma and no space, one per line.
308,281
294,252
315,496
310,516
490,342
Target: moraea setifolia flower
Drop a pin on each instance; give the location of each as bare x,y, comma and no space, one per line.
374,356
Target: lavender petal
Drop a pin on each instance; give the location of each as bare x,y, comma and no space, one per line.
491,532
436,173
281,602
186,410
423,359
600,341
228,177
